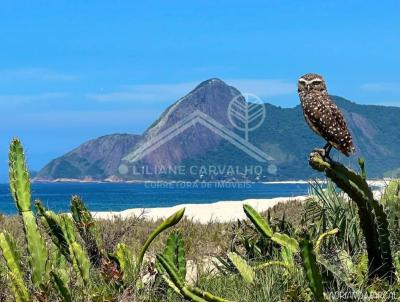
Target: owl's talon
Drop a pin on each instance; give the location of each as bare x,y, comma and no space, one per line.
323,152
320,151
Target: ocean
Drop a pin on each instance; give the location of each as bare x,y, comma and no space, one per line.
122,196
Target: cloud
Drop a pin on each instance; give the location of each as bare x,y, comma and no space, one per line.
381,87
17,99
41,74
168,92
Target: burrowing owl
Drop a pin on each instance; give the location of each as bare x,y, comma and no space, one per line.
322,114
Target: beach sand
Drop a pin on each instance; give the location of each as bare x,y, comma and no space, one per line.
222,211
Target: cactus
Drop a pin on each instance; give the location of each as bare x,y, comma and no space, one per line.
392,192
80,262
263,227
62,233
169,222
12,258
245,270
189,292
373,219
21,193
60,281
52,223
324,236
173,262
175,252
311,267
124,257
86,228
287,257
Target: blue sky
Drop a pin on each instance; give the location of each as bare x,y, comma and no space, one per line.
75,70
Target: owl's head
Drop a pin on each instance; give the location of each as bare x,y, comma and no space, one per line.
311,82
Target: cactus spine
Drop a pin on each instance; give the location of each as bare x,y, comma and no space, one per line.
21,193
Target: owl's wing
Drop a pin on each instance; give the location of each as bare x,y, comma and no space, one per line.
342,134
326,119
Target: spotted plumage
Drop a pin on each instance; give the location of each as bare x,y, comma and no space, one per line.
322,114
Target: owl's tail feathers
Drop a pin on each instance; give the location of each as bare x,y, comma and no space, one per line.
348,151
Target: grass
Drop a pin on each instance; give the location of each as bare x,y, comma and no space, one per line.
203,243
202,240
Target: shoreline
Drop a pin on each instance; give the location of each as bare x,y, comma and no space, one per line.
371,182
221,211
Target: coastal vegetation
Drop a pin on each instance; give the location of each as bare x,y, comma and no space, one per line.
341,244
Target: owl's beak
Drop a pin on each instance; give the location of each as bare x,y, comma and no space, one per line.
308,86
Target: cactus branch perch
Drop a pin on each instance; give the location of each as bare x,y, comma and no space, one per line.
373,219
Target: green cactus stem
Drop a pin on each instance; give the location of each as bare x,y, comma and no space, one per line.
21,193
373,219
175,252
311,268
169,222
12,258
263,227
60,281
189,292
86,227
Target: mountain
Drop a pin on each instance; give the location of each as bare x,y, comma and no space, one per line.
285,136
196,138
211,97
96,159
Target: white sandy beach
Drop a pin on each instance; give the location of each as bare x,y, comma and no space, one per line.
223,211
